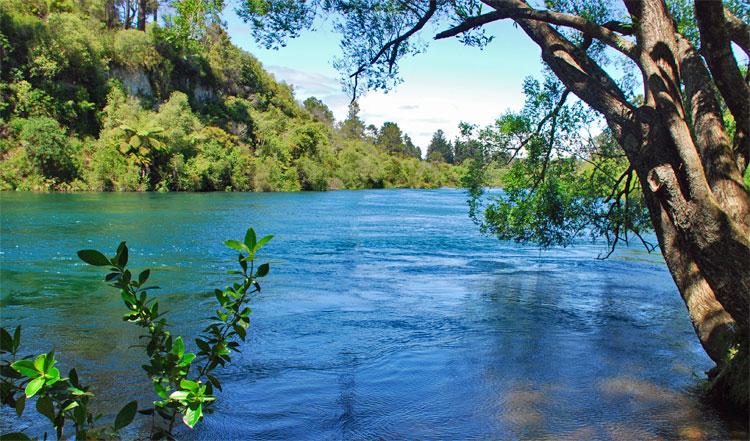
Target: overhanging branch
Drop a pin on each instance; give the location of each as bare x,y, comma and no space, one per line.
394,44
739,31
607,33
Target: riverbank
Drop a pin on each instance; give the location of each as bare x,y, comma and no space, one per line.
89,105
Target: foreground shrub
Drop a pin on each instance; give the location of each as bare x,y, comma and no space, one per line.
183,381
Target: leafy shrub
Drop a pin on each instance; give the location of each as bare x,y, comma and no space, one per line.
183,381
134,49
48,147
272,175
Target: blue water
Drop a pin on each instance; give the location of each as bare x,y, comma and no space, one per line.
386,316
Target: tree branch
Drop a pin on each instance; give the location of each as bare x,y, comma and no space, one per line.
739,31
578,72
710,136
605,33
469,24
539,126
394,44
717,51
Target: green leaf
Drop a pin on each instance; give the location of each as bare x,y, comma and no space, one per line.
17,338
126,415
6,341
215,381
14,436
33,387
159,389
178,347
241,332
73,376
203,345
20,404
45,407
192,416
250,239
180,395
79,415
39,362
53,376
262,270
190,385
187,359
143,276
237,245
121,258
93,257
25,368
49,361
262,242
71,406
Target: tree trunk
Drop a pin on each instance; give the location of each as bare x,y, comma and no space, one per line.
698,204
110,12
128,14
142,9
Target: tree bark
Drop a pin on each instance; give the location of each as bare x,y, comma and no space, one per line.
128,14
693,187
142,10
110,12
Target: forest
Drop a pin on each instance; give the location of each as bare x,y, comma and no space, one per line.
98,95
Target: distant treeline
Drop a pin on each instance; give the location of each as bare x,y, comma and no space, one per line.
98,95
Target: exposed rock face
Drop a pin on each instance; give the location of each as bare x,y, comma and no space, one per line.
135,81
202,94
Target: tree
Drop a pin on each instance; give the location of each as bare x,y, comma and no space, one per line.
466,145
353,127
318,110
390,138
682,156
440,148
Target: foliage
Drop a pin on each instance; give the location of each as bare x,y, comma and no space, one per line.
560,186
176,107
319,111
59,399
183,381
440,149
47,147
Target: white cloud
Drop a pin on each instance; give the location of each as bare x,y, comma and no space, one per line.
419,109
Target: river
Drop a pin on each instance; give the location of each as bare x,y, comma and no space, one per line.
386,315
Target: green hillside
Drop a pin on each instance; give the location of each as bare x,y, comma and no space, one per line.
86,104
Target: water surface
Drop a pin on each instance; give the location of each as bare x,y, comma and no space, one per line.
386,315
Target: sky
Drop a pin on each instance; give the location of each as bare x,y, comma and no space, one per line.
446,84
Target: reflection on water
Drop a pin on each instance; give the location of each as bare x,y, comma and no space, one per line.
385,316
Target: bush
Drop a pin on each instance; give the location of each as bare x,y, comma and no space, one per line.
48,147
134,49
183,381
272,175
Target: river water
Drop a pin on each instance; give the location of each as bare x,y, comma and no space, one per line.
386,315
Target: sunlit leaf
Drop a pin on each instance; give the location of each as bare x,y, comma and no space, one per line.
192,416
33,387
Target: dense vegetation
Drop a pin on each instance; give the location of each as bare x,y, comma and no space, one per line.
88,101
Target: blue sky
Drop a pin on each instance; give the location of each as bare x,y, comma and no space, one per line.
443,86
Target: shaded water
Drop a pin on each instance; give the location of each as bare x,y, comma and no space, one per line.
386,315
